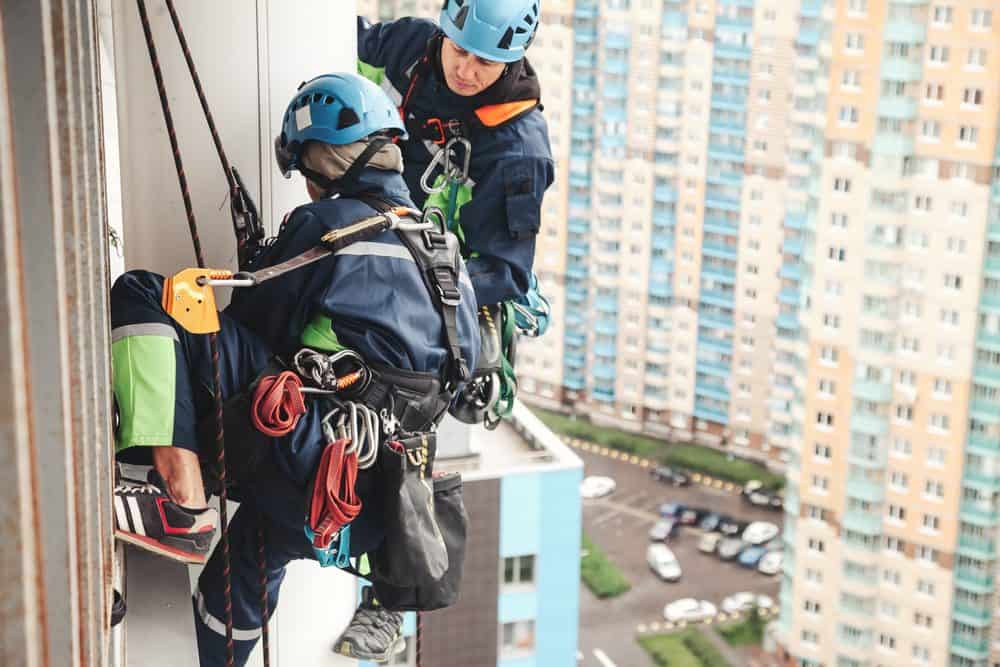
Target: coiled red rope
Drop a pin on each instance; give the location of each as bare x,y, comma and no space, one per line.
277,404
334,500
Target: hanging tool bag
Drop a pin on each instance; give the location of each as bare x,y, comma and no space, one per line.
400,591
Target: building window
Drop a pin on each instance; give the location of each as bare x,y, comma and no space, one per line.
901,447
899,480
851,79
953,281
891,577
942,15
938,55
816,545
519,570
828,355
822,452
827,387
857,7
934,489
976,58
930,130
848,115
972,97
896,512
887,641
932,522
968,134
940,422
842,185
895,545
854,41
517,637
980,19
934,93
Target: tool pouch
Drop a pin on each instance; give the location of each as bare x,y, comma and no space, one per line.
413,550
452,522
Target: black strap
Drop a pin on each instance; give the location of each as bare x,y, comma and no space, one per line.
440,266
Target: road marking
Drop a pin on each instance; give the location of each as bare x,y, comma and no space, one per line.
604,517
603,658
628,509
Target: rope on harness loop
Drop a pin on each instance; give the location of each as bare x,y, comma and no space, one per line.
277,404
335,503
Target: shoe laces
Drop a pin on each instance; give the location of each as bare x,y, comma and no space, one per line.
131,487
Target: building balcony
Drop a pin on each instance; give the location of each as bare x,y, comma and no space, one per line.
722,203
607,327
603,394
574,339
789,297
719,274
714,368
726,153
711,391
972,648
978,512
909,32
902,108
604,372
975,580
720,250
732,52
665,195
576,295
574,382
716,298
710,414
606,304
574,361
791,272
980,548
879,392
576,271
893,144
715,320
578,248
719,345
869,424
975,615
863,489
788,322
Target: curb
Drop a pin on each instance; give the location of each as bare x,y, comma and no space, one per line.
666,626
614,454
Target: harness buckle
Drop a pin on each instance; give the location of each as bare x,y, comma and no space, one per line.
442,130
445,283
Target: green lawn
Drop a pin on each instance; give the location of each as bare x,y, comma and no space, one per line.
687,648
746,632
691,457
601,576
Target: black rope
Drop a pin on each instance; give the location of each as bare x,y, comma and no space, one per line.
212,338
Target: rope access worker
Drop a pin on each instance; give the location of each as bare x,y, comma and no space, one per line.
408,330
478,149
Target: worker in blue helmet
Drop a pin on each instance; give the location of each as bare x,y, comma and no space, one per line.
362,329
478,144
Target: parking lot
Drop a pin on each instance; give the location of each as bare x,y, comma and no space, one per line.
619,524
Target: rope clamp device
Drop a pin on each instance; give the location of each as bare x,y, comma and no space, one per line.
189,299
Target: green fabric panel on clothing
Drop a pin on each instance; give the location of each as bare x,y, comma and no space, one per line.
144,380
319,335
373,74
442,200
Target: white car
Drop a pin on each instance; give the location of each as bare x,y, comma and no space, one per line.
663,562
760,532
689,609
745,602
597,487
771,563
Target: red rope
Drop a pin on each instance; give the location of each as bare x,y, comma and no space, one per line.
277,404
334,500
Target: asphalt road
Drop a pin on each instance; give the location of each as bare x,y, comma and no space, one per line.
619,524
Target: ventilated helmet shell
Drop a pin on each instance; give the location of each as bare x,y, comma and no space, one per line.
338,109
498,30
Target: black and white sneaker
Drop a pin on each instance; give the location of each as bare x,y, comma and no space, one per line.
375,633
146,516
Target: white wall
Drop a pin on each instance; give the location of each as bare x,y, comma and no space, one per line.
250,56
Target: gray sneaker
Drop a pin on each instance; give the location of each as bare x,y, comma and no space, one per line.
375,633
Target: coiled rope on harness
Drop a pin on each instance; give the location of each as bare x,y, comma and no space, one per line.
246,229
277,404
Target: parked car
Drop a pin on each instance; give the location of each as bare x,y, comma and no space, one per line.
668,475
732,527
663,562
759,532
729,548
597,487
754,493
709,542
689,609
771,563
711,521
750,556
739,602
671,510
663,530
691,516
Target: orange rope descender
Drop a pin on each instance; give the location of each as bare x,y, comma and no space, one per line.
190,300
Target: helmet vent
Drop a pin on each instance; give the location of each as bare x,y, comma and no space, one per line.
529,19
328,100
463,14
347,118
508,37
317,98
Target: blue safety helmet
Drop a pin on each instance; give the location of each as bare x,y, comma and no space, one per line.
498,30
337,109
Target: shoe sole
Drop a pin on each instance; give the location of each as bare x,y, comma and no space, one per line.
160,549
397,647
